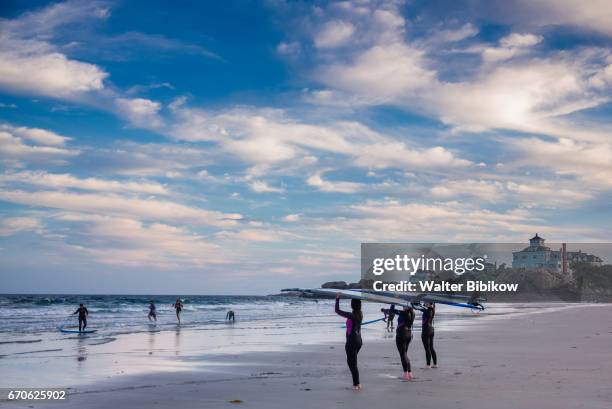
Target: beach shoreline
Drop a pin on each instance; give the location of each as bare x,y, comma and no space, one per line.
555,359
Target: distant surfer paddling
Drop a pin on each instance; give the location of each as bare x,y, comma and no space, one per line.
152,311
403,336
427,332
83,313
178,306
353,337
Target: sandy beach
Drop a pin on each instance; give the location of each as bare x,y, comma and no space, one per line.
554,359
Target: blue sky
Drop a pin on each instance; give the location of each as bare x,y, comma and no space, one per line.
242,146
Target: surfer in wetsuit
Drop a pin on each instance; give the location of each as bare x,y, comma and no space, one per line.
230,316
152,312
178,306
353,337
403,336
427,332
389,316
83,313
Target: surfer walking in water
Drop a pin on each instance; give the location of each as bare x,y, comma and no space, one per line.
83,313
152,311
389,316
403,336
178,306
353,337
427,332
230,316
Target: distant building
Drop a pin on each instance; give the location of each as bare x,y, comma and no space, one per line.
537,255
580,257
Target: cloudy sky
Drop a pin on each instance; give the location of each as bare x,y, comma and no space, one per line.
241,146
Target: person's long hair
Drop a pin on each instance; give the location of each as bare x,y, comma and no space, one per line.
356,307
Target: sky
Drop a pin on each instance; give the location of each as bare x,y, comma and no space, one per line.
241,147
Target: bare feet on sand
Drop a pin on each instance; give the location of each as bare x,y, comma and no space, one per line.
357,387
407,376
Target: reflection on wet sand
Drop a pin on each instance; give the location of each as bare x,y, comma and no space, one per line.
177,341
152,341
81,350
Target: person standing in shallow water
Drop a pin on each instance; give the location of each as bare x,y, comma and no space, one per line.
83,313
403,336
152,311
353,337
230,316
389,316
178,306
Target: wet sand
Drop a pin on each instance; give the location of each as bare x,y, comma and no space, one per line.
545,360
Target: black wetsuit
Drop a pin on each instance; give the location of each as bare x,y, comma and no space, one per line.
152,312
427,334
390,316
230,316
353,340
82,311
403,336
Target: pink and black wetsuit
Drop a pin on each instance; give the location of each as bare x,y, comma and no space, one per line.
353,339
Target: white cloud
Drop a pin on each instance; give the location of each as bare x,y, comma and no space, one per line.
334,34
120,206
490,191
259,186
37,135
454,35
140,112
381,73
511,46
267,137
317,181
13,150
590,15
51,74
290,48
13,225
383,220
292,218
30,64
528,192
64,181
256,235
590,162
129,242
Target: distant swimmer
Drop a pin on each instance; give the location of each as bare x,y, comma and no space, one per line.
353,337
427,332
152,311
83,313
178,306
230,316
403,336
389,316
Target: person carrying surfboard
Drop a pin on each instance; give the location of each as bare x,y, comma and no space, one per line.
353,337
178,306
427,332
83,313
403,336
